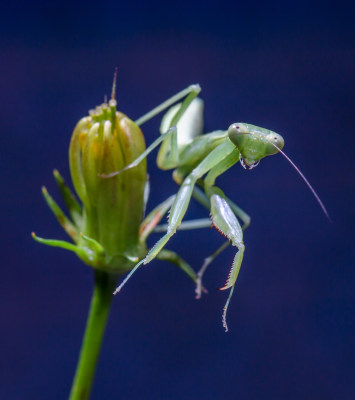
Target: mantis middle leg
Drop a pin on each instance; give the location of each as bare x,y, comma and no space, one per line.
168,156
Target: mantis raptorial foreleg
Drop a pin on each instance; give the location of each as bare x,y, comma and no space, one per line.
199,196
226,222
209,182
205,202
208,260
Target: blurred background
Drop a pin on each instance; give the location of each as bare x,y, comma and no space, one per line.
286,66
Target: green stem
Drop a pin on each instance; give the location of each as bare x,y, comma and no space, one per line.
94,331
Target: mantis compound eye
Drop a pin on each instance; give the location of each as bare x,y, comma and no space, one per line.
238,133
276,139
238,129
275,143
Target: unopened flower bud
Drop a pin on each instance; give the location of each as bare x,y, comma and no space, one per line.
107,231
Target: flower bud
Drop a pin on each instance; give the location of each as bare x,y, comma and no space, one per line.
101,143
106,233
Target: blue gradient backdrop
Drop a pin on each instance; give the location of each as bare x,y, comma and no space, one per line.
287,66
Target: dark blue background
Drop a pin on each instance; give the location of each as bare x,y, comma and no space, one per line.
287,66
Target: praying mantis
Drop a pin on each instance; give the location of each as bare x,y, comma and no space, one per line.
198,160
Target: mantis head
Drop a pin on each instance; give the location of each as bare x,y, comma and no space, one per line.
254,143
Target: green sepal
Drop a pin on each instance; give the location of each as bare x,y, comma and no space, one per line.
75,159
64,221
94,245
63,245
70,201
87,254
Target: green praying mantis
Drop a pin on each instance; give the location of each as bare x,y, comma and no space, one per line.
198,160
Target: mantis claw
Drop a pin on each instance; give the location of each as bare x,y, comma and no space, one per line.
225,308
199,288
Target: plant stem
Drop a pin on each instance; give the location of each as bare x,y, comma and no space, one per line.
94,331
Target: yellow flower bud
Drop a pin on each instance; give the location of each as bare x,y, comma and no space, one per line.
106,228
101,143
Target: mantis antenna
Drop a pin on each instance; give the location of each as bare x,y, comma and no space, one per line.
306,182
